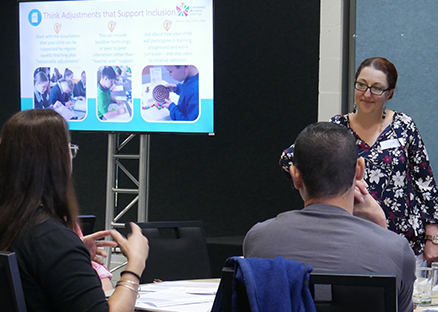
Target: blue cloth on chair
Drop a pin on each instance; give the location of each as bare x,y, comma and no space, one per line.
273,284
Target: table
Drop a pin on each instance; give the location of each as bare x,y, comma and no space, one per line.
432,307
177,296
79,109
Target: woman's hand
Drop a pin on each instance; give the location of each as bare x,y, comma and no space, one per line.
135,247
92,242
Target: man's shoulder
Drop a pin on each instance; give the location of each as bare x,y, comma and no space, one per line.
326,218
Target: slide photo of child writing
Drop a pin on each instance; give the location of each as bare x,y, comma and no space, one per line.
114,93
60,92
170,93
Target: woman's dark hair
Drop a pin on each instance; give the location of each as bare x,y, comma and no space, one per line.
382,64
35,173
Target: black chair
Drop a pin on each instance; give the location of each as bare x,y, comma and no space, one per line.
220,249
273,285
349,292
356,292
11,290
178,251
86,222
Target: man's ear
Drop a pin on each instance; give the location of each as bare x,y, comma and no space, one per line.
297,178
360,168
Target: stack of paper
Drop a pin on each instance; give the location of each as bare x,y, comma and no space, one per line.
177,296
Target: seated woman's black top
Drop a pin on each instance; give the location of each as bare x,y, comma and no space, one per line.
56,272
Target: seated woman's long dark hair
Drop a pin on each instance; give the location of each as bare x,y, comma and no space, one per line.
35,173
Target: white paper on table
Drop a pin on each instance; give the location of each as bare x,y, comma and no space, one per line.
63,111
167,294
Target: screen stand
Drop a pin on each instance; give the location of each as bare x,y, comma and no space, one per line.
113,189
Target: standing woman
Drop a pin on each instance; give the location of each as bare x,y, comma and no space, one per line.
38,213
398,171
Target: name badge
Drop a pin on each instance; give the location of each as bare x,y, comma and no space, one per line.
389,144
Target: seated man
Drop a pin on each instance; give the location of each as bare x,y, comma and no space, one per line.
325,233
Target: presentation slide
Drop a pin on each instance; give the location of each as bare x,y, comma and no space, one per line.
132,66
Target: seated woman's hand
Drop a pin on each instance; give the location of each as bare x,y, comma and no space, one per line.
135,247
93,241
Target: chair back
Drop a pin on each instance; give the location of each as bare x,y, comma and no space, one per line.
178,251
11,290
355,292
257,284
86,222
348,292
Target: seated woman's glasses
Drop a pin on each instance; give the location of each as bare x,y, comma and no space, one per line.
74,150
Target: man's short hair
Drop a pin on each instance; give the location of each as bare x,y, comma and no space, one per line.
325,153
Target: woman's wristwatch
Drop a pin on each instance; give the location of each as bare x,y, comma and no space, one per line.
432,238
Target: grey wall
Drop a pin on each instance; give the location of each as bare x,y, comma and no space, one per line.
266,91
406,33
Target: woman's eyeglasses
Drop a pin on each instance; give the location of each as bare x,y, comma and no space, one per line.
74,150
359,86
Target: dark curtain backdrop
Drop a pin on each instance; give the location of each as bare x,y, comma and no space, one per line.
266,58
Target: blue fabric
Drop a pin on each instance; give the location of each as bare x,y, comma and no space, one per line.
272,284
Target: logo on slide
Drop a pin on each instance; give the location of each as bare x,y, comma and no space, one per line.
183,10
35,17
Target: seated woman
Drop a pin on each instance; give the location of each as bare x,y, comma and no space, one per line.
38,214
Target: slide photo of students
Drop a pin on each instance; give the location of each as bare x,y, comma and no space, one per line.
170,93
78,95
58,94
41,88
114,93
